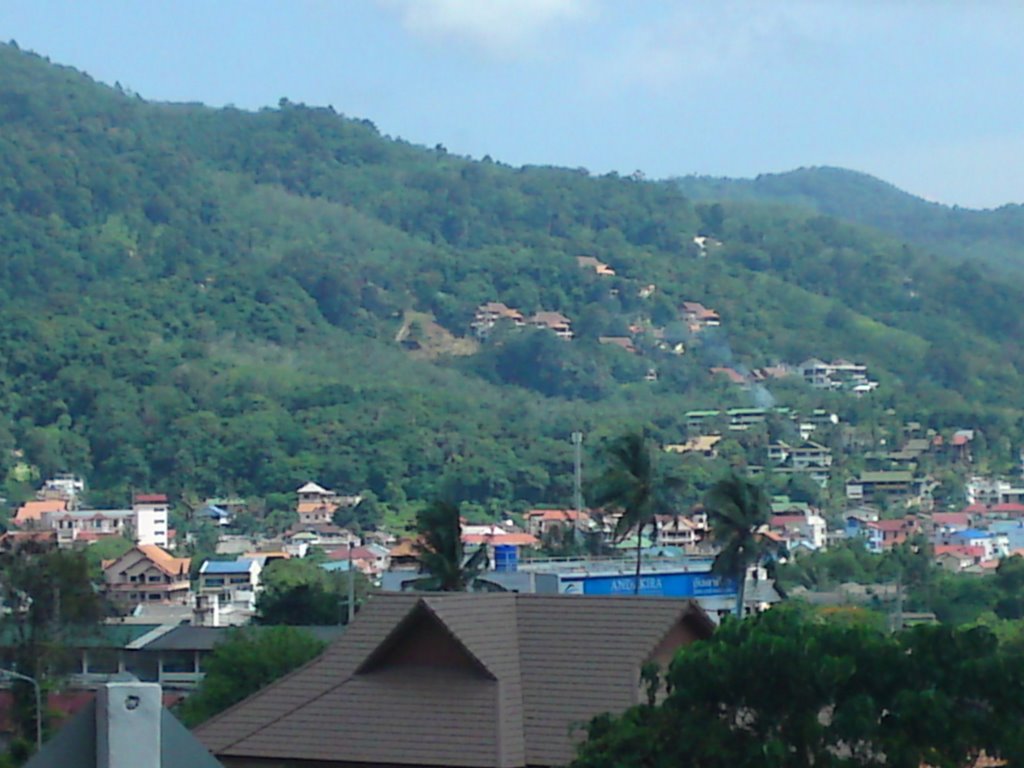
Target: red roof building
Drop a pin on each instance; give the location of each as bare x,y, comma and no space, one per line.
150,498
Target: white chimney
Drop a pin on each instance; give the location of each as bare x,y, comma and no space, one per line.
128,725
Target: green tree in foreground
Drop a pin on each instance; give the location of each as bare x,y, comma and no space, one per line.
49,604
737,509
300,592
246,661
788,689
442,558
630,484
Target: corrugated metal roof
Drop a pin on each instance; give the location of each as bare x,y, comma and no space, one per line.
93,636
189,638
242,565
458,680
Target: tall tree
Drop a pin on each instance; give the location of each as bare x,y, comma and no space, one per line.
49,603
300,592
632,484
791,688
246,661
442,557
737,509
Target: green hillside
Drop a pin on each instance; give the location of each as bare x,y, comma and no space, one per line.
211,301
992,237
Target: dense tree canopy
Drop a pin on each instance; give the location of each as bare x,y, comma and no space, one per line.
791,689
245,662
224,290
300,592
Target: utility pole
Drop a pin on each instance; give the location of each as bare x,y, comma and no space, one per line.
898,623
351,585
9,673
577,482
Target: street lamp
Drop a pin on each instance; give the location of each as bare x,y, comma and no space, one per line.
39,702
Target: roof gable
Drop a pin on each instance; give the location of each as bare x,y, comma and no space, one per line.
422,639
371,699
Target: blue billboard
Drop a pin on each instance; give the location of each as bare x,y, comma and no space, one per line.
665,584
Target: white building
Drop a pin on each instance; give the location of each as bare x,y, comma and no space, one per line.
840,374
989,491
235,584
89,524
63,486
150,518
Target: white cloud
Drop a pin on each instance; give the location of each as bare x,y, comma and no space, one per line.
499,27
725,38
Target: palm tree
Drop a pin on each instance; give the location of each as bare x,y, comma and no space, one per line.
631,483
737,510
442,558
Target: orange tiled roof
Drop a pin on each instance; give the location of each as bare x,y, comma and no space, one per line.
557,514
166,562
405,548
513,539
33,510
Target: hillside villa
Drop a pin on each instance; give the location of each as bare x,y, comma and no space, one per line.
146,574
317,504
599,267
698,317
556,322
490,314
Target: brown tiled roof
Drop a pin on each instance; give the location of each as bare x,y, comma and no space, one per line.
458,680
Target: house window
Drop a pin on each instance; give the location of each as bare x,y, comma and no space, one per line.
153,596
142,664
102,661
155,579
178,661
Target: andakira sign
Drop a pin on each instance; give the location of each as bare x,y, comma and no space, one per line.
654,585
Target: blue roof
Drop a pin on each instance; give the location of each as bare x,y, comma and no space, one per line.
227,566
972,533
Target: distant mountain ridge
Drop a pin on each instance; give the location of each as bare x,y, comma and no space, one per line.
993,236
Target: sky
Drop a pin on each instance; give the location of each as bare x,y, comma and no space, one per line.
926,94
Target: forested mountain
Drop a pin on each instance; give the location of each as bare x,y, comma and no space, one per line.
994,237
220,301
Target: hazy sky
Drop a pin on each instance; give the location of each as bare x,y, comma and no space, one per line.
926,94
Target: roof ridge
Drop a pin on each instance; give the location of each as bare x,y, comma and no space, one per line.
154,634
519,723
221,715
306,702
